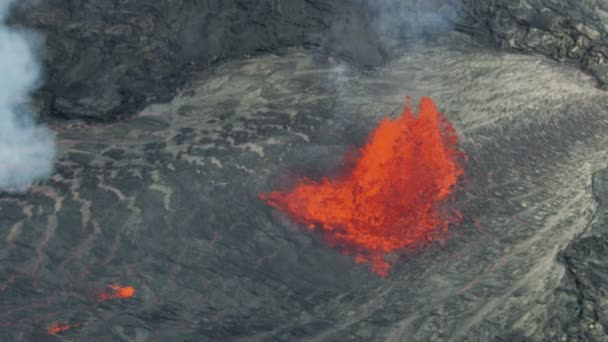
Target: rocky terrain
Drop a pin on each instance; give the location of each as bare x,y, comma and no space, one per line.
566,30
105,60
584,285
165,200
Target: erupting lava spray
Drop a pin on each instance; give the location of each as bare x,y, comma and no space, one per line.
117,292
392,197
57,328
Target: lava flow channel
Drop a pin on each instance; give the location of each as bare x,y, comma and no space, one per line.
394,194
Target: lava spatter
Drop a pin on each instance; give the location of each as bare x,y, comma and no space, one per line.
57,328
391,198
117,292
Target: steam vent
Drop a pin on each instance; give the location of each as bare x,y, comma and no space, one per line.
319,170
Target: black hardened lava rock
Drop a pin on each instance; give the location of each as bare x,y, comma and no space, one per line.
571,31
584,288
105,59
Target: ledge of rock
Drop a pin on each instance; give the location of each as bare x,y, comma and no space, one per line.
105,60
580,302
566,30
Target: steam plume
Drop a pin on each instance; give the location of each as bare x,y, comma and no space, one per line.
27,150
398,20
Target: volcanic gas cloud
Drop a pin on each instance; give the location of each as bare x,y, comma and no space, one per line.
393,196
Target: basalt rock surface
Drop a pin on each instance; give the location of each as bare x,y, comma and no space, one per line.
106,59
167,202
571,31
583,308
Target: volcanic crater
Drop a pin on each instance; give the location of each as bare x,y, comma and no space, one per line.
155,225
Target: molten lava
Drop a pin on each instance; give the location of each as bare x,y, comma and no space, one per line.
116,292
57,328
392,197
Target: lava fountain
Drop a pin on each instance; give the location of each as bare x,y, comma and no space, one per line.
116,292
57,328
392,197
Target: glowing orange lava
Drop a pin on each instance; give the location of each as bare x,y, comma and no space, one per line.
116,292
57,328
392,197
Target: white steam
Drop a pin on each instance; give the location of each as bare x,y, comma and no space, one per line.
27,150
413,20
